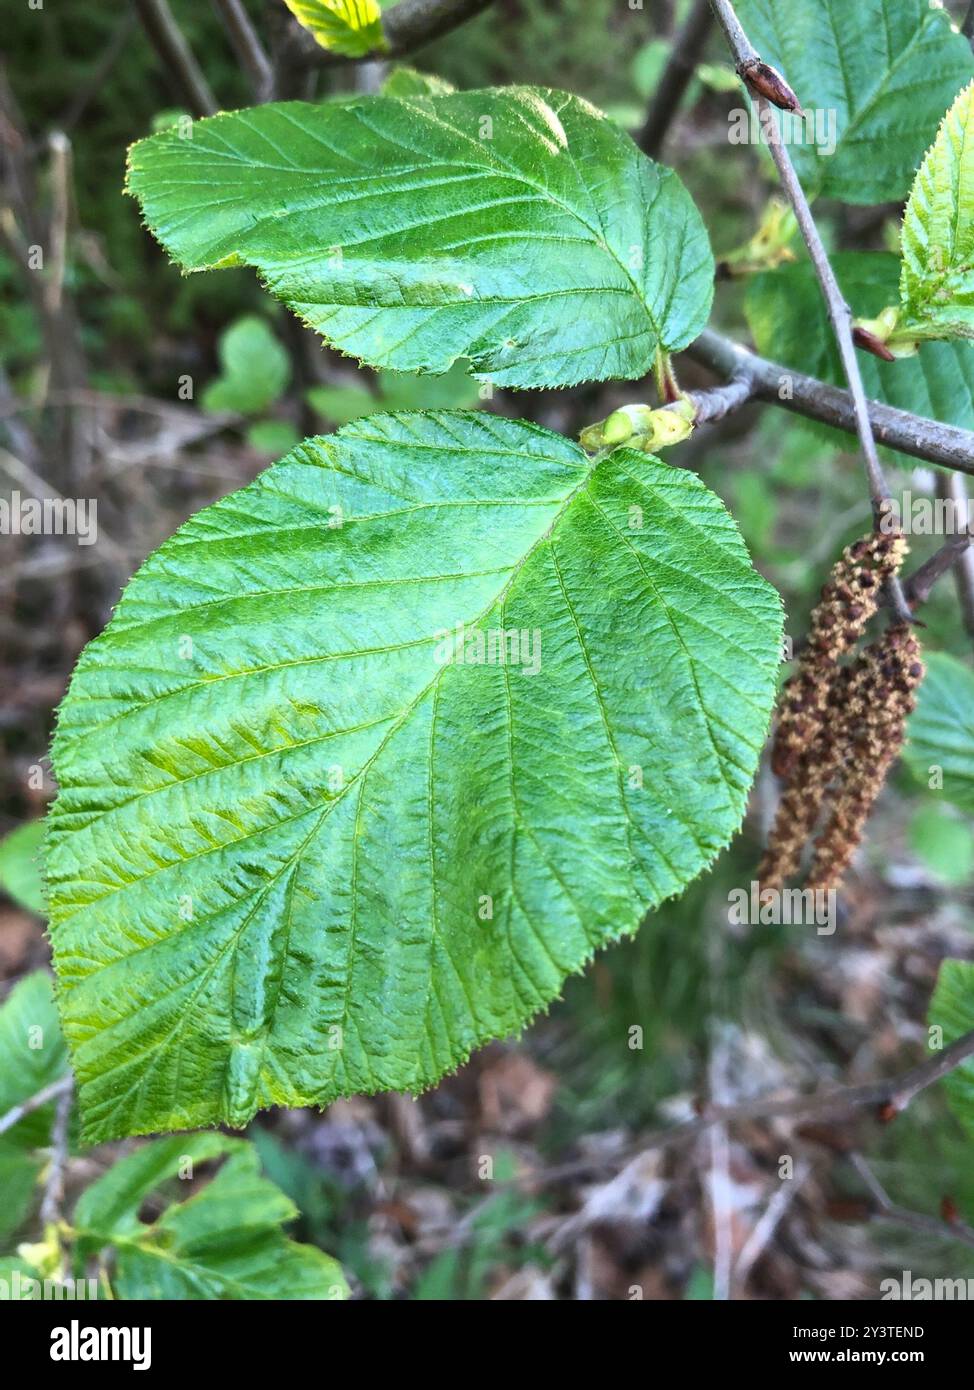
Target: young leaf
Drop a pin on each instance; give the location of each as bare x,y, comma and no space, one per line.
952,1009
408,82
940,750
937,282
224,1241
874,77
330,857
790,323
516,227
352,28
256,369
20,872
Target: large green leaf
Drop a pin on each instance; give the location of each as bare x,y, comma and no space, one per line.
790,324
20,872
941,730
952,1009
887,69
327,859
937,284
224,1241
352,28
516,227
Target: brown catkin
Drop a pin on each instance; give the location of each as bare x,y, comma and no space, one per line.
848,600
890,669
811,777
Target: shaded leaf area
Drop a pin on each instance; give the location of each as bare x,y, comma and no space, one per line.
952,1009
790,324
518,228
20,865
940,751
226,1240
399,735
32,1056
884,71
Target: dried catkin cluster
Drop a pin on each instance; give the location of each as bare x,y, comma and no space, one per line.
841,727
849,599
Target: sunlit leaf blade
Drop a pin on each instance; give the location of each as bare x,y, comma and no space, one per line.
937,283
330,859
952,1009
516,227
940,751
351,28
875,74
790,323
225,1240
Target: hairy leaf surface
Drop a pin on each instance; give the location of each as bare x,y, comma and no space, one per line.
330,858
790,324
224,1241
937,282
886,70
516,227
941,729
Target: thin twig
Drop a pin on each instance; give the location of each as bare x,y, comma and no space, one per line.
839,312
918,585
685,53
27,1107
54,1182
757,1242
831,405
888,1098
719,401
247,46
887,1210
182,68
99,73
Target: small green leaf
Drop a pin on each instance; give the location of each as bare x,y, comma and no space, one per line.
272,436
333,858
937,282
256,369
342,404
455,390
224,1241
790,324
940,750
20,865
952,1009
407,82
516,227
943,843
32,1055
352,28
884,71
